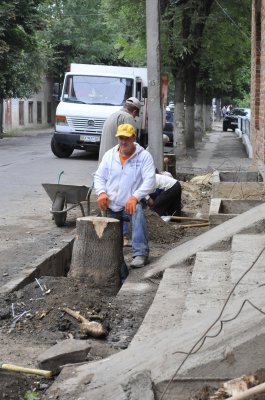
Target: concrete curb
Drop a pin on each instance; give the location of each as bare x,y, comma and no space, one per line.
248,146
55,262
207,239
27,133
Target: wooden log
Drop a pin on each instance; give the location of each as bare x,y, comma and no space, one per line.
176,218
193,225
96,252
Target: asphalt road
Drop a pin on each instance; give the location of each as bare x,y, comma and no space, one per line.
26,227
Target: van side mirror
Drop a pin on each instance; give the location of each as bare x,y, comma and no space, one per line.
144,92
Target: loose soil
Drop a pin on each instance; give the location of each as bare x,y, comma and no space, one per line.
32,319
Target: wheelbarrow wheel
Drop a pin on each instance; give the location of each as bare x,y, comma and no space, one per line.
58,205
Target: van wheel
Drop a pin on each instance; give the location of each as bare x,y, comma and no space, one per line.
61,150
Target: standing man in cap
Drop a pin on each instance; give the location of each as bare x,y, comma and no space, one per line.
126,115
126,175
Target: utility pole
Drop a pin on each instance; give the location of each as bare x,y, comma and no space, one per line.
155,114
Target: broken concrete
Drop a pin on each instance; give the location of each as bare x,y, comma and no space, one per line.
55,262
236,176
223,209
72,351
207,239
65,352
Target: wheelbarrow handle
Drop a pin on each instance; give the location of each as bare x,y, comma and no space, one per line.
89,191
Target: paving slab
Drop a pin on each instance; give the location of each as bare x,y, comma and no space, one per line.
168,305
244,252
209,286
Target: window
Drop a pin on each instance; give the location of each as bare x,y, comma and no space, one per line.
39,112
30,112
21,113
49,112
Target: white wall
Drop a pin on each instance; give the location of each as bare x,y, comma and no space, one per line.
44,96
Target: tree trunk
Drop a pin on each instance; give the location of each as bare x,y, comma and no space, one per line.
208,114
96,252
199,121
218,109
178,131
1,116
190,81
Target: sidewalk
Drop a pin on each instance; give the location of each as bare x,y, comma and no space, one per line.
28,132
218,150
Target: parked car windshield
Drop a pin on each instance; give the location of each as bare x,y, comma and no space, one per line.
239,111
105,90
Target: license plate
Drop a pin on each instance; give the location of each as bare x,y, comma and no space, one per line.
89,138
233,123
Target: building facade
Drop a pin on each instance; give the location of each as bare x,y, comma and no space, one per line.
257,133
36,112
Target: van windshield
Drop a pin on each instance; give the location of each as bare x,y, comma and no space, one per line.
103,90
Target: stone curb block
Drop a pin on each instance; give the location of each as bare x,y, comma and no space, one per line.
54,263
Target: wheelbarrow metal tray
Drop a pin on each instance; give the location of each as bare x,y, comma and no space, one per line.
73,194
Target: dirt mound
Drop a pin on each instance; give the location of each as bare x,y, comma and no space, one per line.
160,231
40,307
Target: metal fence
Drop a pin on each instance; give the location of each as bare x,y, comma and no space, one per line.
244,125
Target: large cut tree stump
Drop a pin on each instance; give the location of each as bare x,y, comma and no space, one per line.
96,252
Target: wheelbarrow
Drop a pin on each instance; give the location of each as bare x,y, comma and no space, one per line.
66,197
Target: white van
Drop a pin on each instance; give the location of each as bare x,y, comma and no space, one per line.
90,94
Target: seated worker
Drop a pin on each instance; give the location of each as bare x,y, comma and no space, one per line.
166,200
126,235
126,175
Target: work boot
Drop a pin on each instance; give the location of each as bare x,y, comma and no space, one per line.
139,261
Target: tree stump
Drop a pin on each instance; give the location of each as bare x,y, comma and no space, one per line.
96,252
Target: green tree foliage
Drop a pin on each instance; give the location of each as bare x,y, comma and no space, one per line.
226,51
221,52
127,22
21,52
77,32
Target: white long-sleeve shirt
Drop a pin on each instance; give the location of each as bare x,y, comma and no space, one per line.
136,177
164,182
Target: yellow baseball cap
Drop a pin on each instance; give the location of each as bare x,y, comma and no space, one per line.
126,130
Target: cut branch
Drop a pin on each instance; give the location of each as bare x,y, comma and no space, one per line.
92,328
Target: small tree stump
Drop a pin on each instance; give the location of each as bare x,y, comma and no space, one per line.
170,166
96,252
